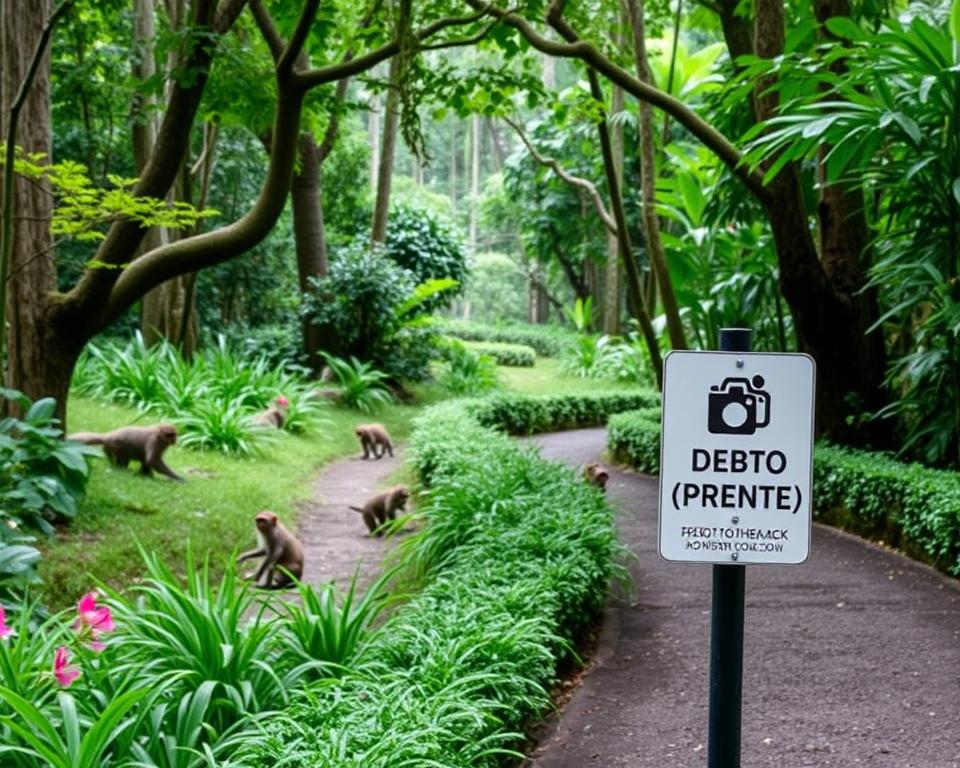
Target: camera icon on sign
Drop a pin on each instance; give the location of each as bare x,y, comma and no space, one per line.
738,406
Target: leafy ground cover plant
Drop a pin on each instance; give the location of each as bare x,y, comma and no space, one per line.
465,371
210,399
906,505
362,387
515,558
175,674
42,476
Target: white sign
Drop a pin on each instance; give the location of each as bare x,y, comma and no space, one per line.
736,457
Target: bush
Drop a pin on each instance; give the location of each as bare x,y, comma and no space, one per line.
421,243
518,355
516,554
527,415
547,341
905,505
372,307
466,372
361,386
634,438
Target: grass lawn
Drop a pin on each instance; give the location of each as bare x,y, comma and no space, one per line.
214,508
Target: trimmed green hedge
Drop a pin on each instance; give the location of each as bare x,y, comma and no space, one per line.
515,557
519,355
528,415
908,506
548,341
634,438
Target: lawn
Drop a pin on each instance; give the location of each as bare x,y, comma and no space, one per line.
214,508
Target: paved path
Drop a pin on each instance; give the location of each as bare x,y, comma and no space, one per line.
334,537
851,659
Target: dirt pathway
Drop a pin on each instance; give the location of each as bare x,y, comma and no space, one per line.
334,537
851,659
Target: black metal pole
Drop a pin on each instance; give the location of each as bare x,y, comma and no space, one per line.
726,634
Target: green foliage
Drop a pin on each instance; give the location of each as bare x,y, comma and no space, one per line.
361,385
373,307
523,415
187,667
211,399
547,341
517,553
634,438
505,354
497,288
42,476
420,242
905,505
888,120
467,372
83,211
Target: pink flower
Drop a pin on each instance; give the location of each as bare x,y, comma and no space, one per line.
97,618
65,674
4,629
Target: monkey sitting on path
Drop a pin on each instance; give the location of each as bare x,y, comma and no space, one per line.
279,549
596,475
143,444
383,507
373,436
275,415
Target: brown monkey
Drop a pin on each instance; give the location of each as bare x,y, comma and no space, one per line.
143,444
596,474
279,549
373,436
275,415
383,507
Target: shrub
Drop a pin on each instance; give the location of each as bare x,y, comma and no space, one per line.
505,354
547,341
361,385
634,438
421,243
466,372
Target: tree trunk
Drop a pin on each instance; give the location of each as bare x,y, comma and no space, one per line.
474,180
651,219
373,126
32,278
611,304
391,120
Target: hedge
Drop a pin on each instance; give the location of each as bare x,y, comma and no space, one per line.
519,355
515,559
909,506
547,341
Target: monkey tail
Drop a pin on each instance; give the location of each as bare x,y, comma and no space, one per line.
356,509
89,438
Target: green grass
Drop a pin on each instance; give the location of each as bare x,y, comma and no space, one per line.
546,378
213,509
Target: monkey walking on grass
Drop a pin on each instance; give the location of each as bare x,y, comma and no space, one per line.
382,507
282,553
143,444
372,437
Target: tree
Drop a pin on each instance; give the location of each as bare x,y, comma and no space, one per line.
52,327
832,316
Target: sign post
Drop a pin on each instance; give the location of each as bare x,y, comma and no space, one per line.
736,460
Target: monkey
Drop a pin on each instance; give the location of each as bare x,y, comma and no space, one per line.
373,436
326,374
274,415
382,507
596,474
143,444
279,549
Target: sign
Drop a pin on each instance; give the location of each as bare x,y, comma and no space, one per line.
736,457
